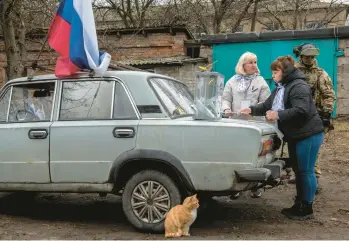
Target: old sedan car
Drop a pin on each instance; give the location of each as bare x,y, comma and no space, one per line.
123,134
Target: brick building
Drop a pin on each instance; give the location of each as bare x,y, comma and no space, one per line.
165,50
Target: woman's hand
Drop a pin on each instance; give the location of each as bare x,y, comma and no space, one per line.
272,115
246,111
228,112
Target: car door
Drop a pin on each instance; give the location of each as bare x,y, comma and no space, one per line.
97,121
25,119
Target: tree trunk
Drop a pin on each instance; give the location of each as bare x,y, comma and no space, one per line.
21,32
217,25
295,16
14,66
130,13
254,16
241,16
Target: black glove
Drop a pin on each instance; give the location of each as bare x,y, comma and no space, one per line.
326,117
326,122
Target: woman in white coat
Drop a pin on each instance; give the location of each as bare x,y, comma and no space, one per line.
246,88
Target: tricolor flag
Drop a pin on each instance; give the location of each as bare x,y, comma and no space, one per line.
72,34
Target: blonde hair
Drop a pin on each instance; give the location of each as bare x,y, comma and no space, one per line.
239,69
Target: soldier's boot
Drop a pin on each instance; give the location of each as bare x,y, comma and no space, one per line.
256,193
292,179
288,178
235,195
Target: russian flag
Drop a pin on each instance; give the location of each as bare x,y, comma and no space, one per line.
72,34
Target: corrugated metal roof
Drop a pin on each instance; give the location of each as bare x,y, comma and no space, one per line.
170,29
323,33
169,61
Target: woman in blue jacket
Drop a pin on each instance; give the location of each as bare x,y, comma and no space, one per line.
291,108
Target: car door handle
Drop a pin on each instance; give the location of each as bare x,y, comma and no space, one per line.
38,134
124,132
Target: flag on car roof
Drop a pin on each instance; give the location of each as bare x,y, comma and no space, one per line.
72,34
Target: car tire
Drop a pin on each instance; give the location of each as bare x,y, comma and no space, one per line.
134,213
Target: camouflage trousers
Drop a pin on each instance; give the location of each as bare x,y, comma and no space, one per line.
317,167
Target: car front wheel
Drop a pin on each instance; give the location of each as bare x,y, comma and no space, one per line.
147,198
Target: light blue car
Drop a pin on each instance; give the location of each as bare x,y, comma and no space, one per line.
128,133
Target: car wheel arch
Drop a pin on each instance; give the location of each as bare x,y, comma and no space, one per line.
130,162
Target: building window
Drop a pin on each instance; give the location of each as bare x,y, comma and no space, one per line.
315,24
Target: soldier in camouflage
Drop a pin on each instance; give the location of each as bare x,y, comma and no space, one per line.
320,84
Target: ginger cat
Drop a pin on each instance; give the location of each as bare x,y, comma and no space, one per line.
181,217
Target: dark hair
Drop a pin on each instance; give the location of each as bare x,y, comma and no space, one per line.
282,62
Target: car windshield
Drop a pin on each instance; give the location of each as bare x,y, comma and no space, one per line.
175,96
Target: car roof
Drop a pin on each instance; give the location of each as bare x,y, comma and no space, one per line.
119,74
136,81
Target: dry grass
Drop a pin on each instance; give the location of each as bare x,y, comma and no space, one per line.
334,154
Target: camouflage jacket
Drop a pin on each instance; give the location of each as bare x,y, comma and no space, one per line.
321,87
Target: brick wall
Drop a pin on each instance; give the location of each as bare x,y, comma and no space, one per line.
343,79
123,47
206,52
47,58
154,45
184,73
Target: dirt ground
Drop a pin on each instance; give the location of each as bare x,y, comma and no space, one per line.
72,216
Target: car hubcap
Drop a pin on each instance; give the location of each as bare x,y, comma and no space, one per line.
150,202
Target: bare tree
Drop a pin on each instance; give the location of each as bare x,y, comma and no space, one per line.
206,15
254,15
239,16
293,14
133,13
172,12
212,16
14,66
335,7
18,19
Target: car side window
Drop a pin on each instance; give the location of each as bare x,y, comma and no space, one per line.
123,108
4,105
31,102
86,100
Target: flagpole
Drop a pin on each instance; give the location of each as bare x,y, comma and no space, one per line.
35,62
